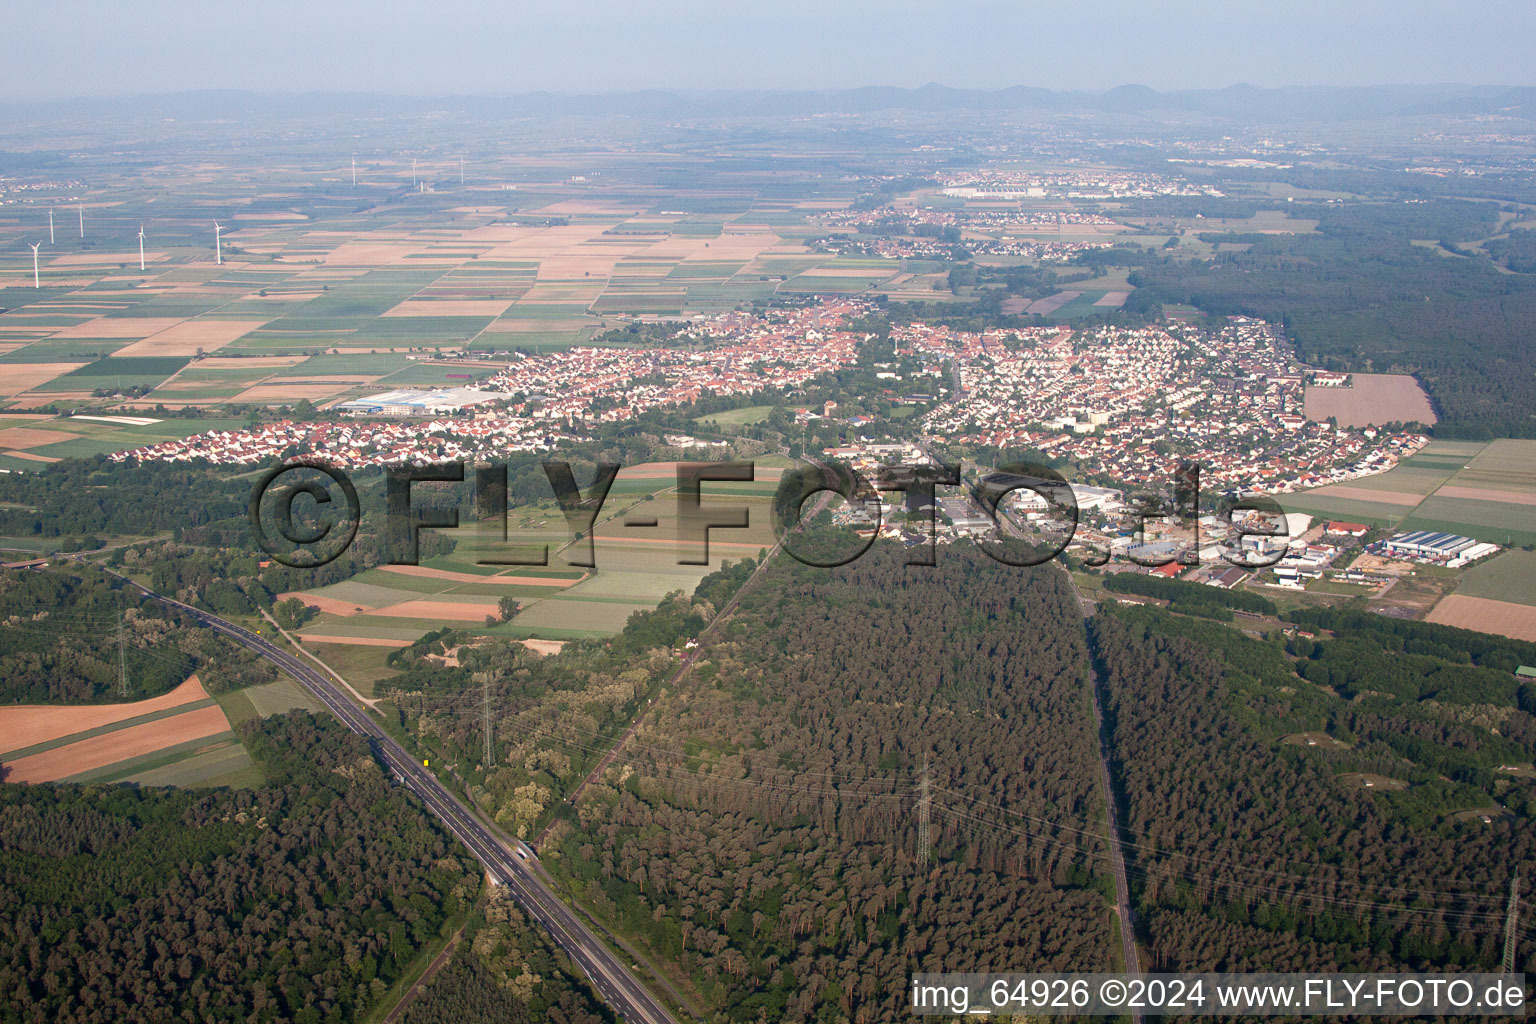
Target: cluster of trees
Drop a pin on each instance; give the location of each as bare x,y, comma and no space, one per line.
1195,598
761,831
299,901
97,496
1251,850
1516,251
554,714
59,642
506,970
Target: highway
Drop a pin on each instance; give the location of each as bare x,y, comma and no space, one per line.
504,862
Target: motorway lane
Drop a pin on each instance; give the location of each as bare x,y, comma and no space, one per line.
610,975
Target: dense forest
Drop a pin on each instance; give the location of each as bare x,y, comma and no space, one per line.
59,642
761,830
297,902
506,970
1360,295
1254,841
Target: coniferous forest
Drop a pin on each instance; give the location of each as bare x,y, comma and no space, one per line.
762,831
303,900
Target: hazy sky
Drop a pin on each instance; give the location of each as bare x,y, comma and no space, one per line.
104,48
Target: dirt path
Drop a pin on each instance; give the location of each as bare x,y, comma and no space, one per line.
437,964
1111,803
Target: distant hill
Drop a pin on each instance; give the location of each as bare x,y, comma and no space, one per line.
1237,102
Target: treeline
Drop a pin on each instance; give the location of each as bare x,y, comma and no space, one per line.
1253,850
1463,646
301,901
1197,598
1516,251
761,831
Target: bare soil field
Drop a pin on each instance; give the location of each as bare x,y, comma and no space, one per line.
1485,494
469,577
121,745
355,641
449,307
450,611
31,457
1502,618
24,725
1112,299
545,646
118,327
329,605
279,392
243,362
1375,398
187,337
20,377
1402,498
32,437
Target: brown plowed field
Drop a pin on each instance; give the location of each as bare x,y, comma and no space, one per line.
1503,618
27,724
111,747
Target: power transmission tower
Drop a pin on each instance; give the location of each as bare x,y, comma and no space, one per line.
924,805
122,656
485,703
1511,923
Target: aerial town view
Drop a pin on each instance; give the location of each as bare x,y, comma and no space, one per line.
681,519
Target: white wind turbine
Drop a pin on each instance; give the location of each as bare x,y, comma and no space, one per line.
141,247
81,211
461,170
36,281
354,171
50,228
218,244
413,172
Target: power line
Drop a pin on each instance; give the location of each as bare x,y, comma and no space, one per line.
1511,921
924,807
122,656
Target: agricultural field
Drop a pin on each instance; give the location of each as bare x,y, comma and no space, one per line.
1485,490
1372,399
636,567
1504,618
1509,576
180,738
314,271
36,440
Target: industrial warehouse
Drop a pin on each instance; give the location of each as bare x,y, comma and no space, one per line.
407,402
1450,549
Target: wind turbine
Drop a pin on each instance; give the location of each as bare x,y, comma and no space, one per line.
50,228
141,247
461,170
354,171
36,281
413,172
218,244
81,211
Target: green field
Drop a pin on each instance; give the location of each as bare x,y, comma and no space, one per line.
1508,576
738,417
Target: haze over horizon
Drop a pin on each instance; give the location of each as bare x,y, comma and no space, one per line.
78,49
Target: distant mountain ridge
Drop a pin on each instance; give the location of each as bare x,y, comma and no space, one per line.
1241,102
